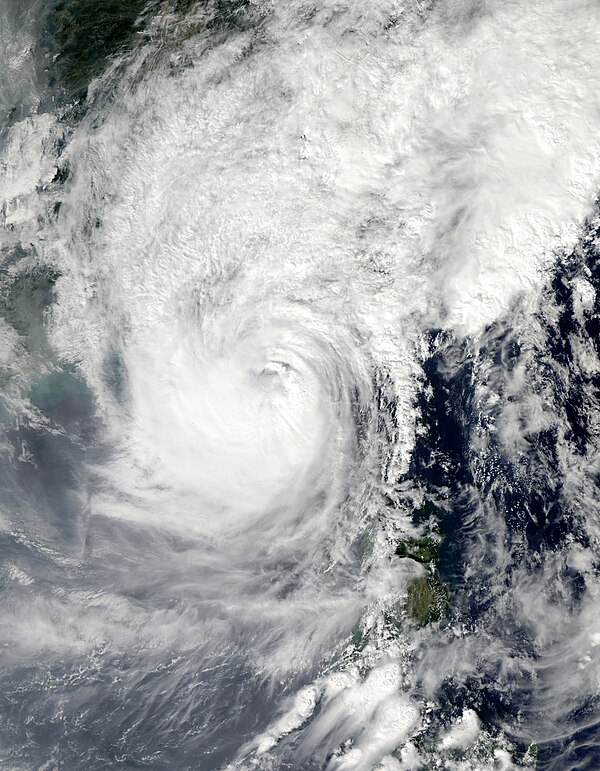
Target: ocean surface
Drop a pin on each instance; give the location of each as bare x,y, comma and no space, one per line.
299,385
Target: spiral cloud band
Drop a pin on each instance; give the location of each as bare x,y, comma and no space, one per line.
298,377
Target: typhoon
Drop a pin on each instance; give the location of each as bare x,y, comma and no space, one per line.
299,384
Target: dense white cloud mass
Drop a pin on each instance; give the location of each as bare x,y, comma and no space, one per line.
265,236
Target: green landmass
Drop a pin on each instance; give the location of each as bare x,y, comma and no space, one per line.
86,35
24,303
422,550
428,599
82,37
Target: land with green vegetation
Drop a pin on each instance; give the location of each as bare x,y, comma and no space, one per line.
81,37
428,597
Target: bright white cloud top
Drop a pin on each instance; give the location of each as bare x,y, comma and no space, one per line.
301,459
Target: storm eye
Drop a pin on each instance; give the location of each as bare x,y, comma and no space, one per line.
276,368
272,374
298,384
